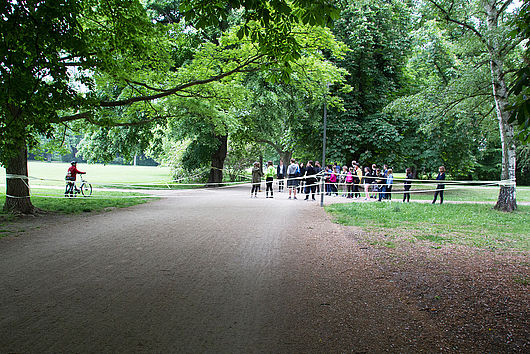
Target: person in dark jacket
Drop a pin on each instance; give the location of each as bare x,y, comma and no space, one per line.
281,173
318,170
301,173
440,187
407,184
310,180
366,181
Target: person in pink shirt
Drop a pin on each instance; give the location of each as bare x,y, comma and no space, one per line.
333,181
349,182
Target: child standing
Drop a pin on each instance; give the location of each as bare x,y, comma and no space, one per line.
342,180
349,182
333,182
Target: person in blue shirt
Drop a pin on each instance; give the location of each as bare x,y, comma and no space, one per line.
386,189
440,187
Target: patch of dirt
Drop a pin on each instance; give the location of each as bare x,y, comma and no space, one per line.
479,299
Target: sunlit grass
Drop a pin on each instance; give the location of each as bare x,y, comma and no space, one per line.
52,174
53,200
468,224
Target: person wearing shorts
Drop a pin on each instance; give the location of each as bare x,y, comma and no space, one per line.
292,181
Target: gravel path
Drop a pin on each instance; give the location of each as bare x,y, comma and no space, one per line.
205,271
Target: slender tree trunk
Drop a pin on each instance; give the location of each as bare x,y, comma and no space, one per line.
507,196
218,160
17,188
506,200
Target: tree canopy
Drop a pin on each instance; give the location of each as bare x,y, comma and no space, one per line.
409,83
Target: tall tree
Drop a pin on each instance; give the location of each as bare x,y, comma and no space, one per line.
51,48
446,103
486,22
376,32
521,85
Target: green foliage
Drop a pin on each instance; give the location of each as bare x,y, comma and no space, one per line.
270,24
449,94
376,32
37,39
521,86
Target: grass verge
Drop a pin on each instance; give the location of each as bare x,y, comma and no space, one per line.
52,200
473,225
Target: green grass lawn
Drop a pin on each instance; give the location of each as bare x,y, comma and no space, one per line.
53,200
52,174
466,224
463,193
424,191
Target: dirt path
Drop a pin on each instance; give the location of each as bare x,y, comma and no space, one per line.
208,271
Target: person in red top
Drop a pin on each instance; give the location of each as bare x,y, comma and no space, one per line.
71,176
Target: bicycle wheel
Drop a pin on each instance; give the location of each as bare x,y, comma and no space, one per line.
86,189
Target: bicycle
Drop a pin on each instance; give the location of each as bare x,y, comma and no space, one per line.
85,188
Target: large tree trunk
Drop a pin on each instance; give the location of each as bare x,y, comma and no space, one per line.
506,200
17,185
218,160
285,156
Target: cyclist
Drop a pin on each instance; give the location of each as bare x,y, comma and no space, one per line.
70,179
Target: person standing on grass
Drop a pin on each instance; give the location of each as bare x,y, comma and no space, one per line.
281,172
292,181
407,184
256,179
440,187
310,180
269,177
71,176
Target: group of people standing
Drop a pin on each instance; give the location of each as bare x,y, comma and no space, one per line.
299,177
352,180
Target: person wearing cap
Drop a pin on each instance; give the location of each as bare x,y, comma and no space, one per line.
71,176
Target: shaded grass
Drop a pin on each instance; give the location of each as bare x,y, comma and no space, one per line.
477,194
467,224
52,200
